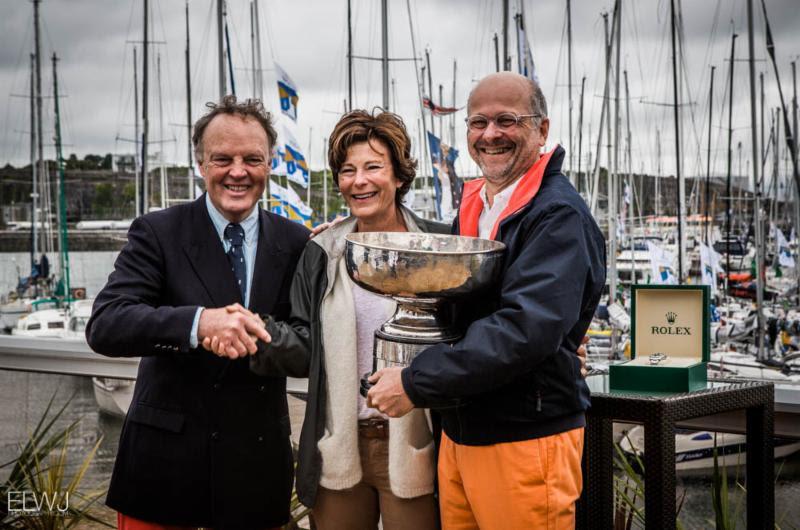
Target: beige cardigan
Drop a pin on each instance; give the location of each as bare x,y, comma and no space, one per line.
411,453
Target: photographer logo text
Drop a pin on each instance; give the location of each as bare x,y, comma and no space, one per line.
38,503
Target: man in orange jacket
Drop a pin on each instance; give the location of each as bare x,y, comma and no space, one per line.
510,393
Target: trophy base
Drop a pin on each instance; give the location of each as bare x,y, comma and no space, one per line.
389,352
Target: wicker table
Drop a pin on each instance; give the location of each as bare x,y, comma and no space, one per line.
659,413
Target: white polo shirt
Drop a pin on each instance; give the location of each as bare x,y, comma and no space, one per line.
490,214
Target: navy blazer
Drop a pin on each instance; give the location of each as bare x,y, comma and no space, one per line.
206,441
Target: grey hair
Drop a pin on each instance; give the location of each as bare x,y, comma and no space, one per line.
538,102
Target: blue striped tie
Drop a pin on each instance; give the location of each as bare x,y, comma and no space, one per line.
234,233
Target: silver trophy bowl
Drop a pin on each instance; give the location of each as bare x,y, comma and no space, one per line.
424,274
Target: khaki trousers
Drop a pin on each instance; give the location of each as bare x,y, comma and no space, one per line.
360,507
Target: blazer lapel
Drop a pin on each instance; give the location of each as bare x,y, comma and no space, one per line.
270,266
207,258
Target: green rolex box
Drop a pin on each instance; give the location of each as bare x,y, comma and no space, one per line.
670,321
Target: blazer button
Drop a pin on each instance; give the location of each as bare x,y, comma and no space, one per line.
260,438
262,388
215,436
217,386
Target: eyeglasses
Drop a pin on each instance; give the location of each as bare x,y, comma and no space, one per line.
502,121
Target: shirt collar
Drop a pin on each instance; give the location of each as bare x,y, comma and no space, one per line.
249,224
500,198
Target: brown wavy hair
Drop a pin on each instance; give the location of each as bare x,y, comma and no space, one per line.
249,108
360,126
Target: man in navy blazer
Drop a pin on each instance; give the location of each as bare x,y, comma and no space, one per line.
205,442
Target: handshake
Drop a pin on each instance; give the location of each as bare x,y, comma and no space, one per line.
231,331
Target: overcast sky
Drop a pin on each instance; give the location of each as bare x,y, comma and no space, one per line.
95,38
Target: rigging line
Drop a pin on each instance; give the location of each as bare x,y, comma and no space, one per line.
201,59
557,74
122,109
265,7
23,52
230,20
633,23
169,111
692,111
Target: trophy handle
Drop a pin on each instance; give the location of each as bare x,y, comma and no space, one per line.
365,384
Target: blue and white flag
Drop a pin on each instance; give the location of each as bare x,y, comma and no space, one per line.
447,186
661,265
524,55
278,165
288,204
785,258
709,266
287,93
295,163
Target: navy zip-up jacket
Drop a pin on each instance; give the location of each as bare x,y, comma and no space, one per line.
515,374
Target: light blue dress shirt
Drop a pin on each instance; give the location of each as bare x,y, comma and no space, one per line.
250,227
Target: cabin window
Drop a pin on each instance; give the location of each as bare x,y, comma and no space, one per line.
55,325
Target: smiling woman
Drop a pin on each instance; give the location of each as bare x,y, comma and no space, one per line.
355,466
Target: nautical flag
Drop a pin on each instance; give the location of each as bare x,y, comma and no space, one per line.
290,160
287,92
785,258
278,164
709,266
447,186
296,166
661,265
288,204
524,55
437,110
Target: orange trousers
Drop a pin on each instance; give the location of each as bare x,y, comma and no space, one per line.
524,485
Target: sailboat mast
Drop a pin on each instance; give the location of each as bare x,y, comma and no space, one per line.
658,173
630,174
678,175
611,203
162,170
40,167
708,158
190,157
62,194
325,184
221,49
763,145
571,175
253,49
496,53
230,56
728,190
145,196
385,53
579,178
506,61
595,191
259,73
613,175
760,277
136,163
794,111
34,169
349,59
453,104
